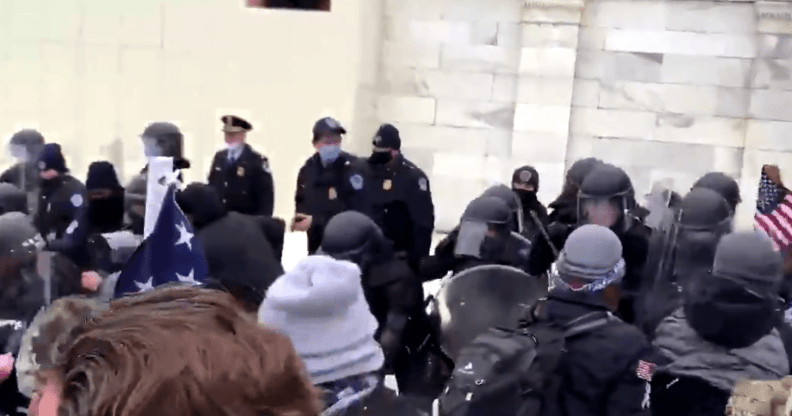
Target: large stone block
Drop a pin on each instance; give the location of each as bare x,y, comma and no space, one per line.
417,9
542,118
60,84
449,139
632,96
479,114
547,62
410,109
711,17
504,88
60,21
493,11
775,46
592,38
545,35
410,55
552,11
510,35
771,105
619,66
685,99
611,123
431,31
480,58
733,102
438,83
499,146
141,76
24,19
586,93
101,79
545,90
537,147
579,147
451,195
682,43
773,74
774,17
769,135
141,23
101,23
714,131
727,72
641,15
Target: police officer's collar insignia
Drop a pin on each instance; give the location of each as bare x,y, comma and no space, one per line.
77,200
357,182
422,184
525,176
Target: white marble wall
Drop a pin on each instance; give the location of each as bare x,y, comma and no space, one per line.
671,90
478,89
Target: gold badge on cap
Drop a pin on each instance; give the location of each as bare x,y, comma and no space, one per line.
332,194
387,185
240,171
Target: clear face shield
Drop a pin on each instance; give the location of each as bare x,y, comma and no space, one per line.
151,147
470,239
604,211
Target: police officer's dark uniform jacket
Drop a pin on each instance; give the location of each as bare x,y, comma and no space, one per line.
326,190
244,181
238,251
399,197
62,218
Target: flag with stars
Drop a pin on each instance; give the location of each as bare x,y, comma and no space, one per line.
773,214
169,254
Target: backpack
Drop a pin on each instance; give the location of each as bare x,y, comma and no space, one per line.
512,372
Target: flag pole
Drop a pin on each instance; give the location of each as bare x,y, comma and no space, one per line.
156,189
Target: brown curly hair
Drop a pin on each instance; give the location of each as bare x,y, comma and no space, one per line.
179,351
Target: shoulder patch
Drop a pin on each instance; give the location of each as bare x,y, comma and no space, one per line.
265,165
77,200
356,181
423,184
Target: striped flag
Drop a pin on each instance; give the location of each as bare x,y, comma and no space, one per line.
773,214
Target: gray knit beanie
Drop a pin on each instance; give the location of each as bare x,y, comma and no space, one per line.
749,257
592,254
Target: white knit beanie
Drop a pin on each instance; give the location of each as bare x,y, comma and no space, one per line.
320,305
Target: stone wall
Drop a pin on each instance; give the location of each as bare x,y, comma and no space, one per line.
671,90
477,89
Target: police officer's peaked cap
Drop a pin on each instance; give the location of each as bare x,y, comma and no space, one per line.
607,180
703,209
348,231
723,184
235,124
327,125
27,137
161,128
387,137
526,175
487,209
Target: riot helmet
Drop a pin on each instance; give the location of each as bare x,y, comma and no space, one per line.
12,199
512,200
606,197
25,145
165,140
18,253
578,172
722,184
484,226
355,237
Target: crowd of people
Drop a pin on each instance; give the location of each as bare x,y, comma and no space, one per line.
658,310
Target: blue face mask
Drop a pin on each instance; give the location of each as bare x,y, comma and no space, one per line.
329,154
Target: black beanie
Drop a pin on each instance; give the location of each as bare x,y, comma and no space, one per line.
52,158
102,175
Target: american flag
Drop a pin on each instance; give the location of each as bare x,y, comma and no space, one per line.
774,215
645,370
169,254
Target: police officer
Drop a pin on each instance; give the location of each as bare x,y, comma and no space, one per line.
722,184
330,182
525,183
484,236
505,194
62,218
24,146
242,176
160,139
400,198
393,291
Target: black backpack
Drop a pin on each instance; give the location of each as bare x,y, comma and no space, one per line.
506,372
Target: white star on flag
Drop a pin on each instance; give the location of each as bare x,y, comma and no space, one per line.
189,278
184,236
146,286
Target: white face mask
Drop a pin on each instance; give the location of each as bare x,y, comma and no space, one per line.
233,147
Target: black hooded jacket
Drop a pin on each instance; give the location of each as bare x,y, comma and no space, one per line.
243,251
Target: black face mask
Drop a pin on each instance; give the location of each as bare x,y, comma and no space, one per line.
107,214
380,158
526,196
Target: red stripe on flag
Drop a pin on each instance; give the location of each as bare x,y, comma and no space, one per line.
777,224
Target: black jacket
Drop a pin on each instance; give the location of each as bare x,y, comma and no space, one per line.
599,369
62,217
246,185
237,248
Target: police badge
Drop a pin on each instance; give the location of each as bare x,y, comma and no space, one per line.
525,176
332,194
240,171
422,184
357,182
387,185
